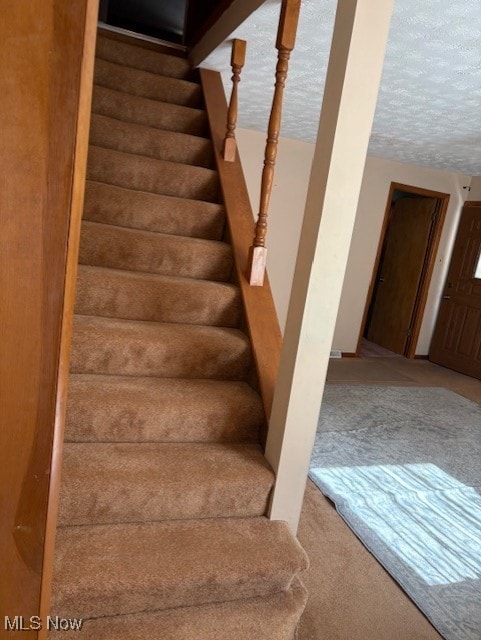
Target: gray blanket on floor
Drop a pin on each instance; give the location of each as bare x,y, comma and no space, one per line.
403,467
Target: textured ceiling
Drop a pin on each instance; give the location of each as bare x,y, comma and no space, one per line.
429,107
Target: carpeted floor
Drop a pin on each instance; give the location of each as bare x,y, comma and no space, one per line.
376,370
372,350
391,456
351,596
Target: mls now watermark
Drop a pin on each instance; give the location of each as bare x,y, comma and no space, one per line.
35,623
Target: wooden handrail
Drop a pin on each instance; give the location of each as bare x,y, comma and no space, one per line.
286,38
260,312
237,62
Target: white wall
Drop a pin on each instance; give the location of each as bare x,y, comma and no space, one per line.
285,218
475,193
286,208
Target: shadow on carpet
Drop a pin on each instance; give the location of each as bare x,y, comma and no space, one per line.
403,467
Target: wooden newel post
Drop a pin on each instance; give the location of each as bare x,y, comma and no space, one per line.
286,38
237,62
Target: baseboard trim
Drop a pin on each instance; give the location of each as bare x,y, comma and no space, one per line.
421,357
348,354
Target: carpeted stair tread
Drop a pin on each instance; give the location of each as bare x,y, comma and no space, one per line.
128,137
151,113
152,212
274,617
131,347
146,84
140,57
161,529
117,293
107,483
129,409
106,570
149,174
104,245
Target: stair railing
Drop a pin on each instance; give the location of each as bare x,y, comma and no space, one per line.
260,315
286,37
238,57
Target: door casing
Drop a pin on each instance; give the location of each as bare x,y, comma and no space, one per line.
429,263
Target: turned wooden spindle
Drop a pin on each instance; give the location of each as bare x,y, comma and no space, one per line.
237,62
286,37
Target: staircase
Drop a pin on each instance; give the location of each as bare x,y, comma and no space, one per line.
162,531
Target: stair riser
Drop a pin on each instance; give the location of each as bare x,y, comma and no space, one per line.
153,482
104,292
274,617
139,57
117,248
150,212
114,134
150,113
147,85
168,351
202,562
109,409
154,176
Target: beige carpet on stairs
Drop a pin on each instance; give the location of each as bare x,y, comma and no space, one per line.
162,531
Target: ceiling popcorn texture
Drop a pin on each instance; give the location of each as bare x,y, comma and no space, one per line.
429,107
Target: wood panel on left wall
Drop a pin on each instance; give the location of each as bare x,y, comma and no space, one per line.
46,67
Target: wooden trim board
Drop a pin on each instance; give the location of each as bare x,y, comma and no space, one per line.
42,155
427,273
79,170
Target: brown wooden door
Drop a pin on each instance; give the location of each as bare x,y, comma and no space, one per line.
401,269
456,341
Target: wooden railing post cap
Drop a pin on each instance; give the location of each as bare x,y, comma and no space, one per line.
238,55
289,18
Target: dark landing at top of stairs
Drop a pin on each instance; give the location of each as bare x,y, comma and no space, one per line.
165,20
161,529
